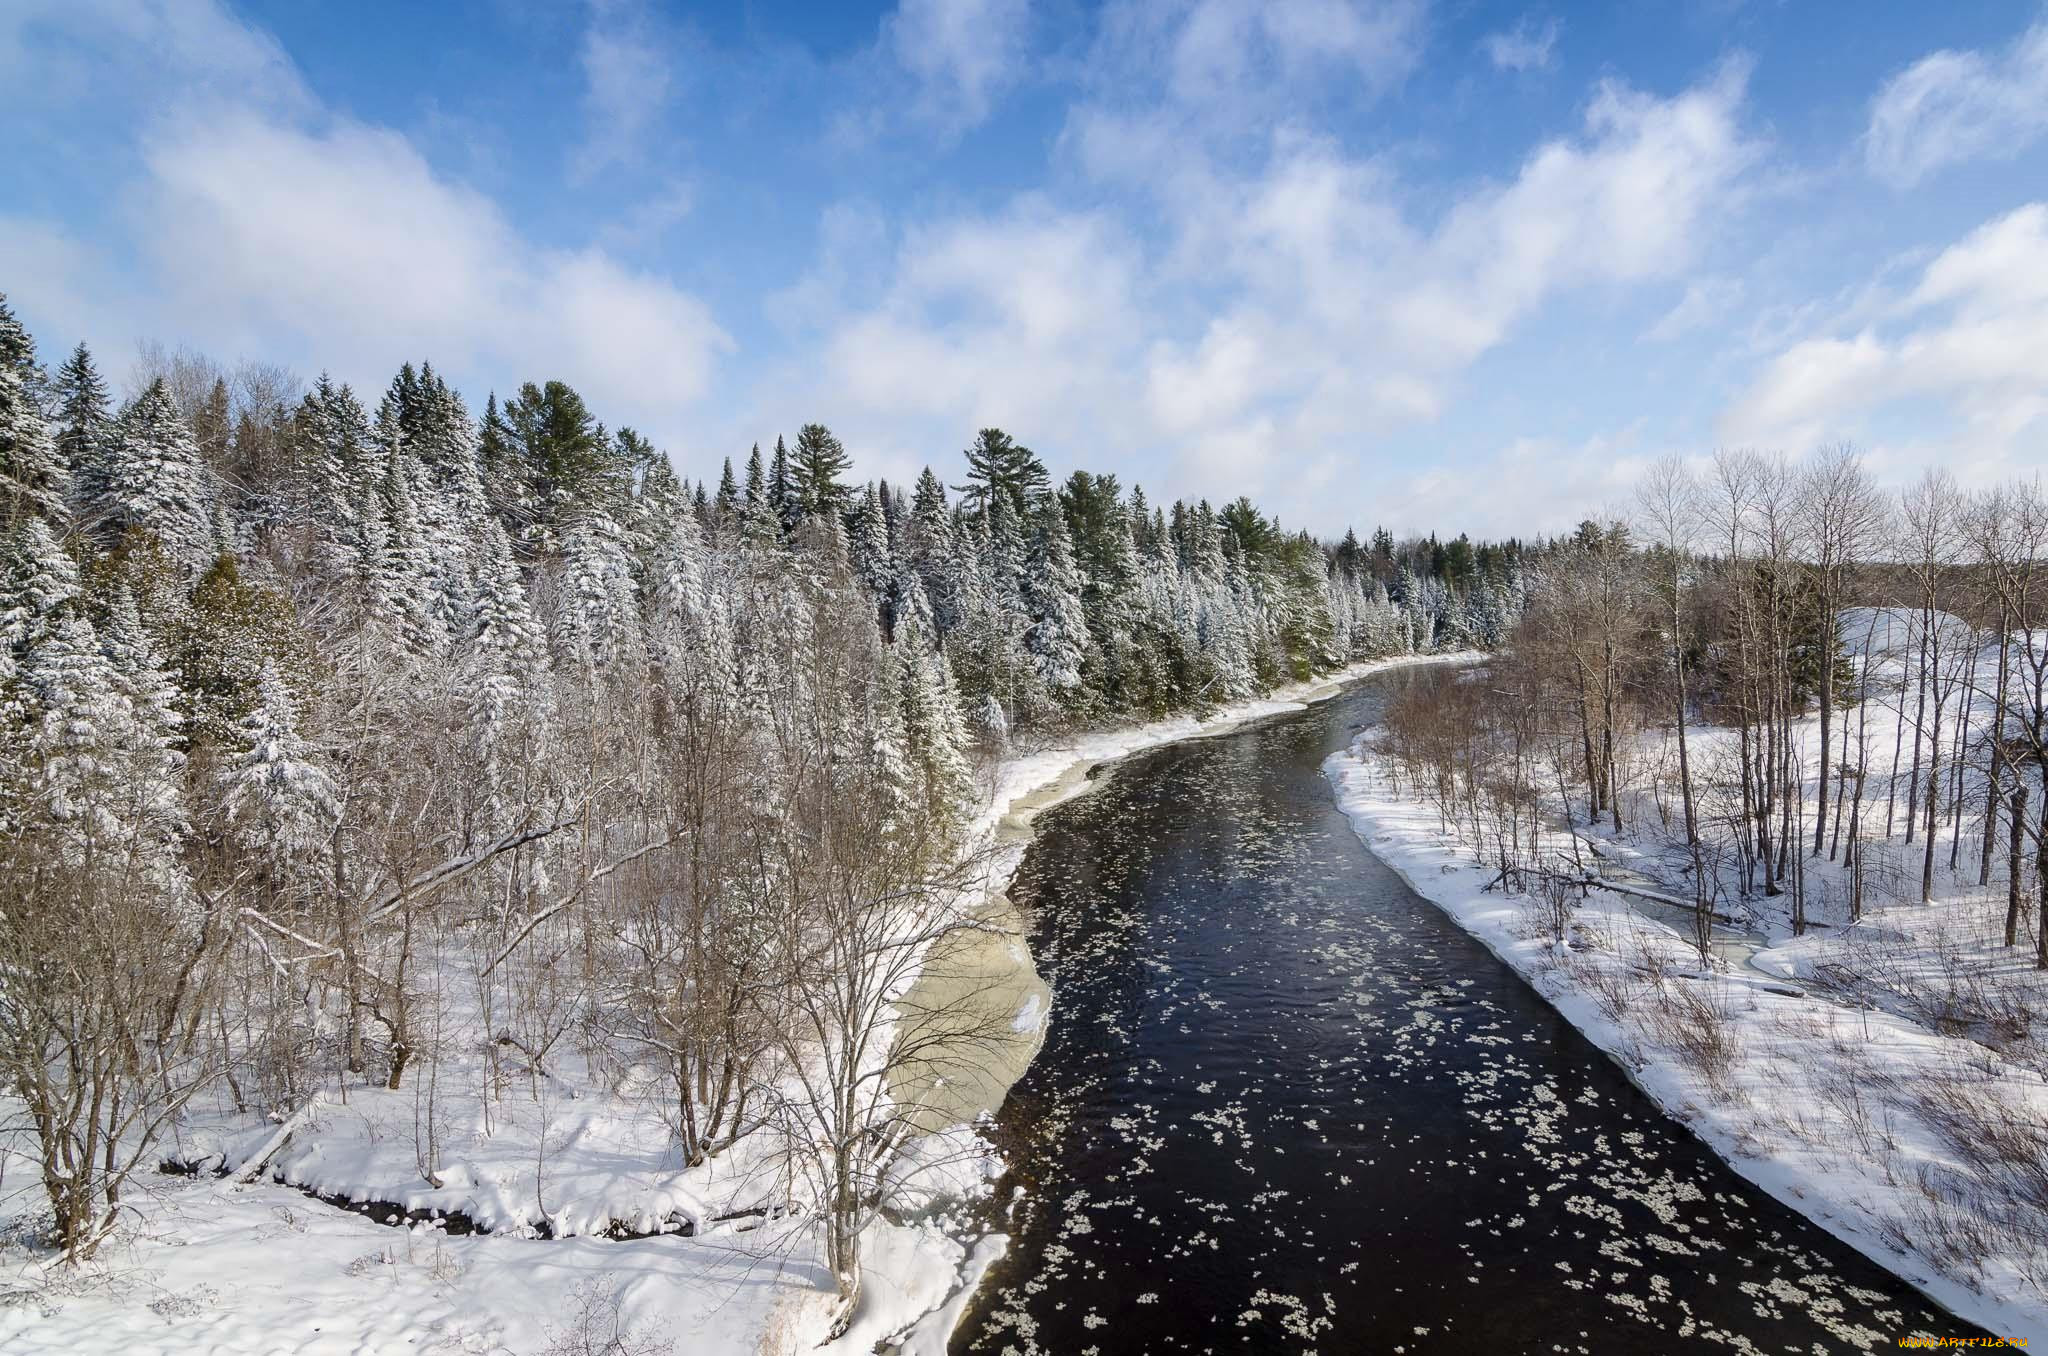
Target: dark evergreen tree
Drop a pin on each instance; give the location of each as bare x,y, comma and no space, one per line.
565,460
998,464
728,501
84,421
816,470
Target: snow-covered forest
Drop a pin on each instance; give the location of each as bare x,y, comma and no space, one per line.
1757,790
363,749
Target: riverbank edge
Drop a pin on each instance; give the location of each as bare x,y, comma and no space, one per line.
1023,787
1439,867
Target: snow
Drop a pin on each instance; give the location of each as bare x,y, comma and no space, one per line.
212,1264
1044,777
1829,1099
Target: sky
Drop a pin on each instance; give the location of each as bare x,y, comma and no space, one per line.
1430,264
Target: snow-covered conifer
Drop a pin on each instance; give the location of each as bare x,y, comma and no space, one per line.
33,480
1058,638
273,790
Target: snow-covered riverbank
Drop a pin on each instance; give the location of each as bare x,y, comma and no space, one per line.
1848,1110
205,1266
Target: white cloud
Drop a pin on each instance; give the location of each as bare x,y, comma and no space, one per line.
51,277
1531,487
1222,41
1298,309
1528,46
1969,339
1234,61
53,52
347,240
1955,106
1706,300
1021,320
963,54
260,223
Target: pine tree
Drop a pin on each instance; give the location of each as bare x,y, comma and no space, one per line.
339,489
505,674
565,461
407,595
888,765
101,782
597,619
1000,467
33,481
815,470
151,692
38,588
499,467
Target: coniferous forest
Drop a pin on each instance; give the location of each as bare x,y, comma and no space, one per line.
330,716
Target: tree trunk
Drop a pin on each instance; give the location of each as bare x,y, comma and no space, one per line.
1997,751
2014,886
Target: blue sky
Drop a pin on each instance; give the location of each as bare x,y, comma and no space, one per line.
1459,266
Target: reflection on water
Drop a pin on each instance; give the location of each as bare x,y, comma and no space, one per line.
1286,1105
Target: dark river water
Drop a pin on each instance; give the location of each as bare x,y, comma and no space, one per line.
1286,1105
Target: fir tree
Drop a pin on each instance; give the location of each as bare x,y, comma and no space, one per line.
930,551
504,622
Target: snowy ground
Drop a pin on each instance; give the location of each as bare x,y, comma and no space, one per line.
206,1266
1880,1078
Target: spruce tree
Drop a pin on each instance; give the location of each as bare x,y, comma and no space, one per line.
727,502
37,580
272,790
1058,638
85,421
934,733
155,481
781,491
931,552
33,481
867,541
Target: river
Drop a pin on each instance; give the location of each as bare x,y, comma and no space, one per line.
1287,1105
